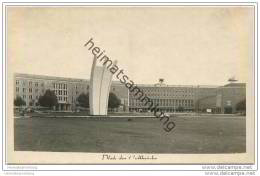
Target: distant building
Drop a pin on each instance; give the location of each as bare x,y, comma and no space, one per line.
179,98
31,87
229,96
169,98
225,100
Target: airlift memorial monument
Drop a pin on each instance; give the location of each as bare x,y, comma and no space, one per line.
100,83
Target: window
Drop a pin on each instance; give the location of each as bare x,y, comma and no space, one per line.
36,84
24,89
30,97
17,89
24,96
17,82
30,90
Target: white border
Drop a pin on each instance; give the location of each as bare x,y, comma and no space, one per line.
119,167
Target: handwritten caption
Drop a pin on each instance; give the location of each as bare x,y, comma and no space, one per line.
128,157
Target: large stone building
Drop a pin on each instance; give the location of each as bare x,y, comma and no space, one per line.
169,98
229,96
172,98
31,87
179,98
223,100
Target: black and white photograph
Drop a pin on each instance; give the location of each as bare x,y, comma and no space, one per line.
130,84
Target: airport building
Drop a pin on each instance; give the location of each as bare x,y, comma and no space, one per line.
31,87
225,99
169,98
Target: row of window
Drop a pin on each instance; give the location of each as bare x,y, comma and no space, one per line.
165,95
55,85
65,87
30,97
163,102
60,98
61,92
36,84
167,90
57,92
60,86
81,87
30,90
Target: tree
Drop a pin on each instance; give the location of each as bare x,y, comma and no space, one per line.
113,101
19,101
83,100
180,109
31,103
49,99
241,106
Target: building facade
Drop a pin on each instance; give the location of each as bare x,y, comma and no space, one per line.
229,96
204,99
222,99
168,98
31,87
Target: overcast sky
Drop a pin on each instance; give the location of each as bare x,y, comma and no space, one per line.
183,45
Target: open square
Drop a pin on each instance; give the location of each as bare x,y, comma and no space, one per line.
209,134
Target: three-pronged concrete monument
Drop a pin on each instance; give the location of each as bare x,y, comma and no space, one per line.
100,82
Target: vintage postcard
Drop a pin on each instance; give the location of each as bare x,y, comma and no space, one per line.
130,84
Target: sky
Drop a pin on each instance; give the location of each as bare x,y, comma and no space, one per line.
183,45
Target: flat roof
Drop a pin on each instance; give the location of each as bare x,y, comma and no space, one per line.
47,77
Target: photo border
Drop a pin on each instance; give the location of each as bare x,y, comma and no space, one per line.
4,77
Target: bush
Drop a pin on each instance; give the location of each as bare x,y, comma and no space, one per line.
19,101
